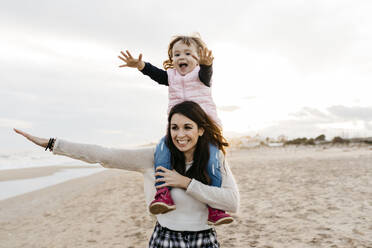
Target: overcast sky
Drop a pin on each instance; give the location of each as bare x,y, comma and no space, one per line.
298,68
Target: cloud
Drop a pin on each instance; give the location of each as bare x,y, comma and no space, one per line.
335,121
311,113
59,69
249,97
351,113
368,125
228,108
122,23
309,34
11,123
107,131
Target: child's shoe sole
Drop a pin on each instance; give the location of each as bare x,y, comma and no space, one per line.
160,208
222,221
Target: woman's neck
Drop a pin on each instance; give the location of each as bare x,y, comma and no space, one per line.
189,156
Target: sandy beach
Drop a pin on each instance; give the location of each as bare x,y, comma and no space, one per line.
290,197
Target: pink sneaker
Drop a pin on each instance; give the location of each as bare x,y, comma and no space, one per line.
163,202
218,217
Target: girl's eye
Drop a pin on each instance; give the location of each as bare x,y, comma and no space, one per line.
188,127
174,128
188,53
177,54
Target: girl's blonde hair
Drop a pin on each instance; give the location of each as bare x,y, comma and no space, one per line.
188,40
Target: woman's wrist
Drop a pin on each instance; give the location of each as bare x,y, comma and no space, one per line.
187,182
50,144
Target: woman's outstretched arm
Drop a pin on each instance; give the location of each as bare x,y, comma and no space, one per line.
126,159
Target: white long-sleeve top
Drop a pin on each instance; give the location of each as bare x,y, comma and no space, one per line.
191,213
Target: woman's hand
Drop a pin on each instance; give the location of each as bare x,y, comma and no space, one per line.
206,57
130,61
171,178
36,140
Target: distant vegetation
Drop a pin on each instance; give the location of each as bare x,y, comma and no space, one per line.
300,141
282,140
321,139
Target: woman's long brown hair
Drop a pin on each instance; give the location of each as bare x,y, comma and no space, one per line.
212,135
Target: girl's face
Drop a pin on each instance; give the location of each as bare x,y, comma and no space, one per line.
182,56
185,134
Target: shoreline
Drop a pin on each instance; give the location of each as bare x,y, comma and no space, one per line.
21,181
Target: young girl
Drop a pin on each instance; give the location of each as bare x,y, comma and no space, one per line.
188,77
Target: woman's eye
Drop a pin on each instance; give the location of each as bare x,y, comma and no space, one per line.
188,53
174,128
187,127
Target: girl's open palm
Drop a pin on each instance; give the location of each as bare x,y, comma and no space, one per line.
130,61
36,140
206,57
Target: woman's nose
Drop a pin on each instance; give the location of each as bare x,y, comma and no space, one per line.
180,133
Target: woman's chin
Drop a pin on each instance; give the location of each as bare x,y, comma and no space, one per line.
183,147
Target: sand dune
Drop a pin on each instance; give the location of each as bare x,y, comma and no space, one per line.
290,197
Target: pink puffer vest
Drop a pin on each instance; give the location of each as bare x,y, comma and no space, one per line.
190,88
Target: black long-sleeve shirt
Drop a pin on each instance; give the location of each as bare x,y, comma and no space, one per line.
161,76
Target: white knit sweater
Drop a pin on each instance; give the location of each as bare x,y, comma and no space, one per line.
191,212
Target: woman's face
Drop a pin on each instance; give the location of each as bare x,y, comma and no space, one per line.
185,134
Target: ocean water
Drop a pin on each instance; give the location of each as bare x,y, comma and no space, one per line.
13,188
29,159
35,158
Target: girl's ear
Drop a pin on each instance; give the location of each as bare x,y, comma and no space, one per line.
201,131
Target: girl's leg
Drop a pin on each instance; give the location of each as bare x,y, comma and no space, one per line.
214,166
163,201
216,216
161,157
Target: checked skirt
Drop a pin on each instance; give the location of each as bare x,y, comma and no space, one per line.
165,238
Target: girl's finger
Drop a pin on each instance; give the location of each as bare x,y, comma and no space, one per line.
125,60
123,65
126,56
201,52
140,57
130,55
205,51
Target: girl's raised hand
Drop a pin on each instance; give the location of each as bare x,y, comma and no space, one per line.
130,61
206,57
36,140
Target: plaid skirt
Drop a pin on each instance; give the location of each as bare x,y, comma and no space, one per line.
163,237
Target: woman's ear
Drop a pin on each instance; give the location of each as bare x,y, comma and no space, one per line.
201,131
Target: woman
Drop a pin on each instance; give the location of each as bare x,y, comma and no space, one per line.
189,133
